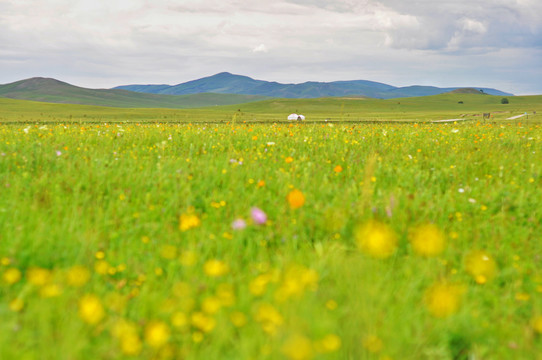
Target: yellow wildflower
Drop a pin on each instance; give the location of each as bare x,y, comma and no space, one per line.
50,290
91,309
157,334
481,266
329,343
225,294
188,221
101,267
258,286
130,344
38,276
211,305
179,319
537,324
298,347
443,299
16,305
427,240
376,239
269,318
123,327
78,276
297,280
238,319
215,268
12,275
203,322
197,337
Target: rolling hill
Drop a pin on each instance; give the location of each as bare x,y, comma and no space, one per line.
54,91
226,83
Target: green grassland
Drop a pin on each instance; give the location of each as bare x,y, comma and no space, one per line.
427,108
136,234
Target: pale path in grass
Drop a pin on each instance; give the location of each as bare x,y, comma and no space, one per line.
516,117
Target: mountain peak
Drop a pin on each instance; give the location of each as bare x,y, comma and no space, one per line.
37,83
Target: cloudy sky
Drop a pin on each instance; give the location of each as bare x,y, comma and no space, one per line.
104,43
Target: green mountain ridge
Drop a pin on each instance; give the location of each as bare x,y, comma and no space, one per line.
238,84
55,91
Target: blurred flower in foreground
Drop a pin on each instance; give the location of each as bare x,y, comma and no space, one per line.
269,318
298,347
38,276
130,344
77,276
203,322
215,268
157,334
427,240
91,309
16,305
376,239
373,344
443,299
238,224
238,319
296,199
258,216
12,275
481,266
329,343
188,221
127,333
537,324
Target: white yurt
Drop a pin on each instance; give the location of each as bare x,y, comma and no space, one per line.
296,117
292,117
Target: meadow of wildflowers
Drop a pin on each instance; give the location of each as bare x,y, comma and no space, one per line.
271,241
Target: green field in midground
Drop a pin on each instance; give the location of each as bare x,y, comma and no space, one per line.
228,233
427,108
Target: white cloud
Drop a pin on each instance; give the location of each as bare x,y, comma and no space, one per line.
169,41
260,49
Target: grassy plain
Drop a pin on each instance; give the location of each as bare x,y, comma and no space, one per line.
419,109
168,234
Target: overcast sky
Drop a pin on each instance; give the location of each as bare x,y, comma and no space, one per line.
105,43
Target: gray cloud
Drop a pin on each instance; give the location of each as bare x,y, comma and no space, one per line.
104,43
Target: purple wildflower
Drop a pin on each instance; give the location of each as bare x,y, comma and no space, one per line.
238,224
258,216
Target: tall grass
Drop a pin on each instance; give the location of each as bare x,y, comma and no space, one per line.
117,241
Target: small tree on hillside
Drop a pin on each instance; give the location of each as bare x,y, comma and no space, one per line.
504,101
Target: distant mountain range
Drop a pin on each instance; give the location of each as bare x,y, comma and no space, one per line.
219,89
226,83
54,91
